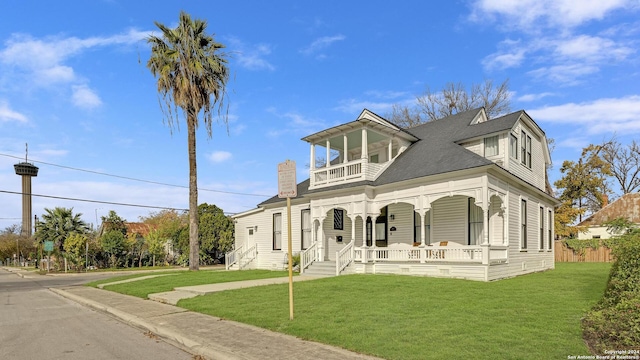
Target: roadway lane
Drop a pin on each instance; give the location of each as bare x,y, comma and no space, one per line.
35,323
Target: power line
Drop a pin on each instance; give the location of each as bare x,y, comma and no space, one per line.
95,201
135,179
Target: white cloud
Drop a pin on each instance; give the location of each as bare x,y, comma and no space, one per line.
250,57
504,60
7,114
533,97
599,116
219,156
43,62
84,97
566,74
321,44
591,48
532,15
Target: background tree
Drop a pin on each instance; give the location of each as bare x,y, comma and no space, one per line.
624,163
57,224
583,187
170,225
192,75
215,230
156,246
452,99
113,243
113,222
75,246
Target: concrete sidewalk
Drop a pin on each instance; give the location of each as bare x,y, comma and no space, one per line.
179,293
199,334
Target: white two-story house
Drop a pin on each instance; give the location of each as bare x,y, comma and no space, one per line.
460,197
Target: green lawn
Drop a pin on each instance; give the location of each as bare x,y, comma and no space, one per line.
160,284
535,316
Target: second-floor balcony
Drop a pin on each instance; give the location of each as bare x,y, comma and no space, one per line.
355,151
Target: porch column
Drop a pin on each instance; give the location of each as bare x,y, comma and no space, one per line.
365,151
390,150
345,154
485,225
364,238
373,231
321,240
312,163
328,162
423,230
353,234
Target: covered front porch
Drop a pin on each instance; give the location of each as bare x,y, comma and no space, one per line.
453,230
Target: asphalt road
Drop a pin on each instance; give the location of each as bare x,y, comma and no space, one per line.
35,323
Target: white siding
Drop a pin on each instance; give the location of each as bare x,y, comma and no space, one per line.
450,220
403,222
476,146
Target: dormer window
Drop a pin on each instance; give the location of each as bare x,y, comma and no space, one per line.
491,146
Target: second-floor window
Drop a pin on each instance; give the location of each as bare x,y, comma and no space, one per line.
513,146
491,146
525,146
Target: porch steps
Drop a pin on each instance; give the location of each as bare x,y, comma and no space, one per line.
325,268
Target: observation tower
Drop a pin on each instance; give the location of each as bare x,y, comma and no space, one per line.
26,170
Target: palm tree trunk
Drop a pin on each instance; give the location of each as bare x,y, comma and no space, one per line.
194,249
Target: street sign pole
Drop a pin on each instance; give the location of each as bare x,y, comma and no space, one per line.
287,188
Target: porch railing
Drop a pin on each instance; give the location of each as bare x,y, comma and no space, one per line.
231,257
246,257
344,257
308,256
425,254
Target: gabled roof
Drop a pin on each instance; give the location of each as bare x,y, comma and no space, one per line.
141,229
627,206
438,142
368,118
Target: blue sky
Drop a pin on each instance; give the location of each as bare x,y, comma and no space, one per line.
74,86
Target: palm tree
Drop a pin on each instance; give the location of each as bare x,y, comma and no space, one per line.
192,75
58,224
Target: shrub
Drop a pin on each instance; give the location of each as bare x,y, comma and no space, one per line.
614,322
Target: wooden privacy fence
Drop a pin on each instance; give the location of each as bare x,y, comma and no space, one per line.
564,254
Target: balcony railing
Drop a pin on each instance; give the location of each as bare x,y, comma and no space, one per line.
352,171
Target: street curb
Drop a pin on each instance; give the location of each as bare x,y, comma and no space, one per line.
190,346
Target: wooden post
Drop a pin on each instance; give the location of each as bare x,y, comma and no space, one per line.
290,258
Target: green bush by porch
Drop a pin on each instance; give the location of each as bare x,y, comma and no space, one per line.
535,316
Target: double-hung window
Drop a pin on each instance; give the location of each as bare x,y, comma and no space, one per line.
523,222
550,230
491,146
541,220
277,231
476,223
513,146
525,146
306,228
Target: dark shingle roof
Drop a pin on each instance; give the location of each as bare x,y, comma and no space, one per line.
437,151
